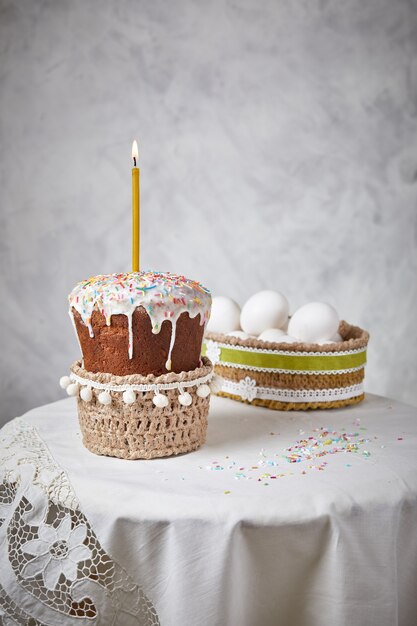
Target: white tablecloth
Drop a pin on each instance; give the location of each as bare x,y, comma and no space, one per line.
305,518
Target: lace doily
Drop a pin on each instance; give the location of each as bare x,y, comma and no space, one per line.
53,570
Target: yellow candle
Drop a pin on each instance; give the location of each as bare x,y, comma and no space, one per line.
135,210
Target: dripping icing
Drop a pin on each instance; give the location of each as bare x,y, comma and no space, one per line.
168,363
71,314
129,315
164,296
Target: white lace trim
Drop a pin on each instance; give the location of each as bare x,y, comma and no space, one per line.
277,370
151,387
248,390
53,569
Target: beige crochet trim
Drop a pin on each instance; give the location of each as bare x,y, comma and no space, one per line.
354,338
296,406
142,430
292,381
138,379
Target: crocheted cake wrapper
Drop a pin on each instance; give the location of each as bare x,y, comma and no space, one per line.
290,376
141,429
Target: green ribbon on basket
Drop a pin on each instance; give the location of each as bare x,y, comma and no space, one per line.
304,362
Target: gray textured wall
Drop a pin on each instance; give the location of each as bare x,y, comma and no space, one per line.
278,149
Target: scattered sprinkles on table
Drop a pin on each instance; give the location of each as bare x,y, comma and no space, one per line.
324,443
309,450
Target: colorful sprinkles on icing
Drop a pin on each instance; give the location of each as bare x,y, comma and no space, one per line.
162,295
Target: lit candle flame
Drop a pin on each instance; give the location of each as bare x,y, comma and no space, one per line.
135,152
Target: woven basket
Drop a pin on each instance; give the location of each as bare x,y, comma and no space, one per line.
288,377
122,416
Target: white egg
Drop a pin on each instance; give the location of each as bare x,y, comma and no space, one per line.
313,322
324,342
287,339
272,334
264,310
238,333
225,315
337,337
284,327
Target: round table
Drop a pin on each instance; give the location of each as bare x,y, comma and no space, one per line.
301,518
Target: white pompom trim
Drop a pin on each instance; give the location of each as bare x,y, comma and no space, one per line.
160,400
203,391
129,396
104,398
86,394
185,398
72,389
64,381
76,384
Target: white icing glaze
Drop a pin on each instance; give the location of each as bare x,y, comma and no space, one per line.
171,343
162,295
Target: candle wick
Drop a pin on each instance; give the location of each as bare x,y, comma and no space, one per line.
134,161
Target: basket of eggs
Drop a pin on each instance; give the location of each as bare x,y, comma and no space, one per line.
261,356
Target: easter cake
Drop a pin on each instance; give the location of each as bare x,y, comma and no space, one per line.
142,387
264,357
140,323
